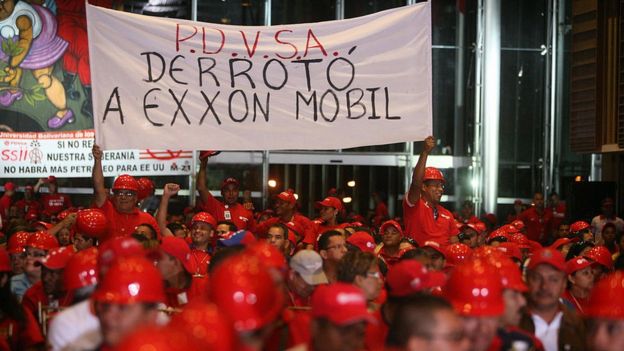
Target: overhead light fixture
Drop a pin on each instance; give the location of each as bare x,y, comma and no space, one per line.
351,184
347,200
272,183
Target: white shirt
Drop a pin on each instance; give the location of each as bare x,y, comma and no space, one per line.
548,333
599,222
75,328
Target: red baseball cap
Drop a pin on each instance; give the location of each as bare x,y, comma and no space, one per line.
330,201
548,256
117,247
8,186
390,223
287,196
178,248
230,180
436,246
340,303
576,264
363,241
57,258
512,250
560,242
410,276
52,179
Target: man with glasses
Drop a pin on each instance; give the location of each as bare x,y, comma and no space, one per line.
121,210
332,247
425,218
37,247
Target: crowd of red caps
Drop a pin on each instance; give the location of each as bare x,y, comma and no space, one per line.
223,276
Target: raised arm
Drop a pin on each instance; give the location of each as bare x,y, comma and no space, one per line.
98,177
201,181
169,190
413,194
37,186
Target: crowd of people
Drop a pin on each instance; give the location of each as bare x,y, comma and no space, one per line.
225,276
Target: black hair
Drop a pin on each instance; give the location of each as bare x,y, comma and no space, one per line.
323,241
8,302
415,317
577,248
231,226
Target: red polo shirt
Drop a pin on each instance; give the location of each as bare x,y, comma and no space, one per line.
123,224
537,227
25,335
237,213
421,226
55,203
35,294
24,205
197,291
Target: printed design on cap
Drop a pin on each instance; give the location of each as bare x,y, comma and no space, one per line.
370,244
349,298
416,283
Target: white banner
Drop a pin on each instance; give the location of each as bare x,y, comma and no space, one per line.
167,83
68,155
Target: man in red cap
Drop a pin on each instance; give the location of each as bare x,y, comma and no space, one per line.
50,291
53,202
183,282
339,318
557,327
286,211
248,295
538,222
425,218
127,298
5,203
392,246
228,210
329,209
406,280
122,211
475,290
76,327
37,247
605,313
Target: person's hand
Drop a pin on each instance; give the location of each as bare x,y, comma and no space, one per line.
170,189
70,219
97,152
429,144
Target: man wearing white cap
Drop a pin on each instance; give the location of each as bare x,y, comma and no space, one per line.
305,274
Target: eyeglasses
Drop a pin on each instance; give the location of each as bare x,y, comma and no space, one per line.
376,275
124,193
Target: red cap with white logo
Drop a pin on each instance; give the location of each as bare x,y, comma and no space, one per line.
340,303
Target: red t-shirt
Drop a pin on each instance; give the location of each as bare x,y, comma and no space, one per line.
381,214
55,203
237,213
123,224
24,335
421,226
376,333
558,215
537,227
24,205
198,291
35,295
